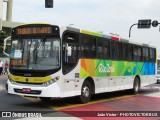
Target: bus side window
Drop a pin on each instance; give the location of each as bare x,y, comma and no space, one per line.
130,52
137,53
145,54
93,47
152,55
114,50
106,49
100,49
89,45
125,51
119,47
86,43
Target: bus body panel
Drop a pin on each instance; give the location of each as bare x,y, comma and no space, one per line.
108,75
69,85
72,82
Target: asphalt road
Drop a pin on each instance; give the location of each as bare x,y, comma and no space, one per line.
16,103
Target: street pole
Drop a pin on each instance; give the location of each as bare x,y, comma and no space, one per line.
131,28
9,10
1,12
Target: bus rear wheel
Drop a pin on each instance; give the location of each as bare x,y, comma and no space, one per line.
136,86
85,92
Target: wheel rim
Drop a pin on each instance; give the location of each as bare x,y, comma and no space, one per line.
136,86
85,92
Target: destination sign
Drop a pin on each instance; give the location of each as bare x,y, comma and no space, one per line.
19,62
34,30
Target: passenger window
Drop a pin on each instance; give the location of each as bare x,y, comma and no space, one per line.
152,55
89,44
137,53
100,51
145,54
106,49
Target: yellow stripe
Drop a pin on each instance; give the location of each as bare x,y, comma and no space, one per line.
91,33
91,102
56,107
30,79
77,105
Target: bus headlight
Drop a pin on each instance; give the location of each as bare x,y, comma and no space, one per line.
53,80
12,81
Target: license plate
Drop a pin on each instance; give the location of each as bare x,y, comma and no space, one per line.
26,89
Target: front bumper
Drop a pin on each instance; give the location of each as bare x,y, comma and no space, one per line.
52,90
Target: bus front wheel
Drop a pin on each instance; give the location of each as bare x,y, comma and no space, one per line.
85,92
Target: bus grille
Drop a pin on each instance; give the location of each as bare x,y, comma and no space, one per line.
35,92
27,83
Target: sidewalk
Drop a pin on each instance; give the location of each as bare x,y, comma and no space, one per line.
3,80
3,77
154,90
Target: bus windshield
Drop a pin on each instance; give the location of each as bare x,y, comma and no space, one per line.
35,54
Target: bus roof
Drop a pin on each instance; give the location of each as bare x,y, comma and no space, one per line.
98,34
109,36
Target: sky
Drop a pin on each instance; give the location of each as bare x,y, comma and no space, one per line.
113,16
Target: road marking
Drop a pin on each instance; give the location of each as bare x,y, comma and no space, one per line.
77,105
33,99
2,87
91,102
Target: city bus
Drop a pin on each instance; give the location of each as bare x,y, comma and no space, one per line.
49,61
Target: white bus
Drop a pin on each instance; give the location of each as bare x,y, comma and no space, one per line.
48,61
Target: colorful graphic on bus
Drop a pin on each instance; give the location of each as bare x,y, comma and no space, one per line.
102,68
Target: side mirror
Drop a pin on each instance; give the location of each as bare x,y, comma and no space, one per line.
5,44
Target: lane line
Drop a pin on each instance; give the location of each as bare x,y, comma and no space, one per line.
91,102
33,99
77,105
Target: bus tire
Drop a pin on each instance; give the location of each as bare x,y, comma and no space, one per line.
85,92
6,86
136,86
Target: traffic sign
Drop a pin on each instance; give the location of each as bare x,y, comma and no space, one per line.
144,23
48,3
155,23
